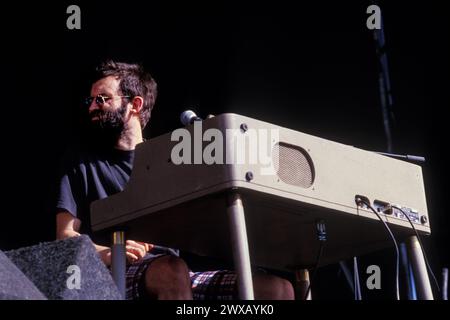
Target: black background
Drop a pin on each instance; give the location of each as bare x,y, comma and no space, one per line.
309,67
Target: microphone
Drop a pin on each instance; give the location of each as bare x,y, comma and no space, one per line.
407,156
188,117
401,156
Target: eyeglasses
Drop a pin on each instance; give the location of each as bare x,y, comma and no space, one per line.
100,99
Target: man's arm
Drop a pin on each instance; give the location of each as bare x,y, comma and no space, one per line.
67,226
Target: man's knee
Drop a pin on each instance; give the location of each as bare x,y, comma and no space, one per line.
270,287
286,289
168,276
168,268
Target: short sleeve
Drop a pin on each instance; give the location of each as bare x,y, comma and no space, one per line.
66,199
69,188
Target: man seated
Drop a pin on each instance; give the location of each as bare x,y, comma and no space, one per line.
119,107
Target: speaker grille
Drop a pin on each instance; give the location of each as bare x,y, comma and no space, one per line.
294,165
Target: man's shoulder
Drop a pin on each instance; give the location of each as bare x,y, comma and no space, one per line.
76,155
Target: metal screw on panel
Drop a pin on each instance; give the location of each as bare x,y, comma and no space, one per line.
423,219
249,176
244,127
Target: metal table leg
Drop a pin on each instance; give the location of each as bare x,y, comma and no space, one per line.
239,245
118,261
423,286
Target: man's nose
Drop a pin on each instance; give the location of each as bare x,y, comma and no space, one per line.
93,106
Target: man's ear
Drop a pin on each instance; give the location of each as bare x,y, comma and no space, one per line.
137,105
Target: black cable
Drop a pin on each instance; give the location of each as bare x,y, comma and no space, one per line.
397,255
421,246
322,237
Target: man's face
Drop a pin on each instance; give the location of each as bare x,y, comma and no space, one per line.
107,119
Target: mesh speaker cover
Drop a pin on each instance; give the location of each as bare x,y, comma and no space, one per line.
294,165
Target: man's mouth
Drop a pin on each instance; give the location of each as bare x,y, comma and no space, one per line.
94,116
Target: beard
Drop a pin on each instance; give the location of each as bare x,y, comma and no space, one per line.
107,128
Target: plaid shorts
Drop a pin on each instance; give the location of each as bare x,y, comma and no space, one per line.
208,285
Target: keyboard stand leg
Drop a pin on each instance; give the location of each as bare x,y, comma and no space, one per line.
239,245
423,286
302,284
118,261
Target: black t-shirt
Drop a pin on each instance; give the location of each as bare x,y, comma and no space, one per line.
88,175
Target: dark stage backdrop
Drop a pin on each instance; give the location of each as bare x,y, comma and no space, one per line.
307,67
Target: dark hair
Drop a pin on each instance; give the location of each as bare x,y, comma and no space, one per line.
134,81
